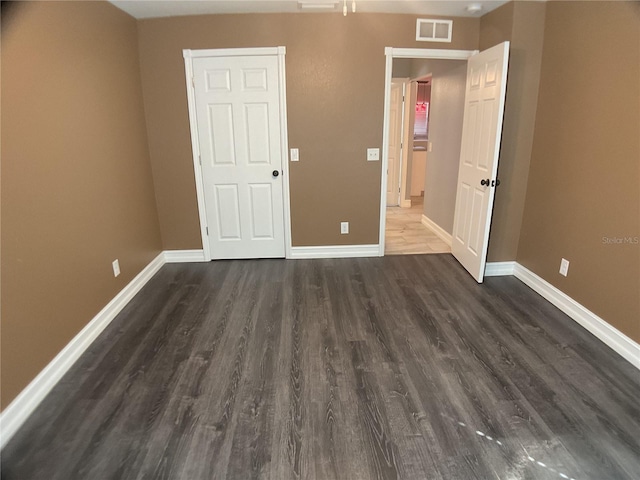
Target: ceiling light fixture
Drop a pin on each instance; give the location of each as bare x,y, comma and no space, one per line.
345,10
474,8
318,4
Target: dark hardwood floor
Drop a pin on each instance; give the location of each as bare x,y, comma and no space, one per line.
395,367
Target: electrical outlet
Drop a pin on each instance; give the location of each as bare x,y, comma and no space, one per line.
116,267
344,228
564,267
373,154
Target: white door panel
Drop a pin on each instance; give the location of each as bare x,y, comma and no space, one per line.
238,116
227,206
221,133
481,133
261,211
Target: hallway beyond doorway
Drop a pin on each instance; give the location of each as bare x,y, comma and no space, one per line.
405,234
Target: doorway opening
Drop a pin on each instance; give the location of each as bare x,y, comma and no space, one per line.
425,175
483,113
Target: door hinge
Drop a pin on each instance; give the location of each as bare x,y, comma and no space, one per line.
398,190
207,229
193,82
199,159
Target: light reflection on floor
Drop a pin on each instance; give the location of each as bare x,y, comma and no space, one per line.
534,462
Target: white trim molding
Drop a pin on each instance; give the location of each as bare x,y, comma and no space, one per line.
434,53
437,229
499,269
25,403
335,251
233,52
614,338
184,256
284,146
195,148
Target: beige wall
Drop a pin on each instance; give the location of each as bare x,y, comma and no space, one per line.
521,23
584,180
497,26
335,91
446,113
76,179
401,68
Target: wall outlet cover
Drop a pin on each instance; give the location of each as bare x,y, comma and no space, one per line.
344,228
373,154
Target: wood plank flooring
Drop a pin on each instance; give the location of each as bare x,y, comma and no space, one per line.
381,368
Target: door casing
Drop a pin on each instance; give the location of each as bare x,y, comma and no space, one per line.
280,52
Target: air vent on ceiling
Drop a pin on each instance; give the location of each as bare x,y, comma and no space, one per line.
431,30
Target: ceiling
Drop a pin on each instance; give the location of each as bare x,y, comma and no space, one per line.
171,8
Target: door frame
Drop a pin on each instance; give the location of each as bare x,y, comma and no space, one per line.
407,142
280,52
402,82
390,54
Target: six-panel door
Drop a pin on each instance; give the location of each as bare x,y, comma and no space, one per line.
238,118
481,133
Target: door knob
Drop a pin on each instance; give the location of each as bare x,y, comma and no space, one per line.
484,183
495,183
275,173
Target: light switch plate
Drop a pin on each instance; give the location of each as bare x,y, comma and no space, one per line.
344,228
295,155
373,154
564,267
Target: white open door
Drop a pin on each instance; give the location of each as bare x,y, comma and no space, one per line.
481,133
395,143
238,123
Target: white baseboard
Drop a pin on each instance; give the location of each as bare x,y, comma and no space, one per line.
25,403
437,229
183,256
335,251
499,269
614,338
405,203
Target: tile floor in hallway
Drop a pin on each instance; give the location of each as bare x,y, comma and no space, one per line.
405,234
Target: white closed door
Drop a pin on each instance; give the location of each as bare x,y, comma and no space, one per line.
238,122
395,141
481,133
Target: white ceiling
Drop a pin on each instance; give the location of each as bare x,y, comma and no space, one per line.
170,8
